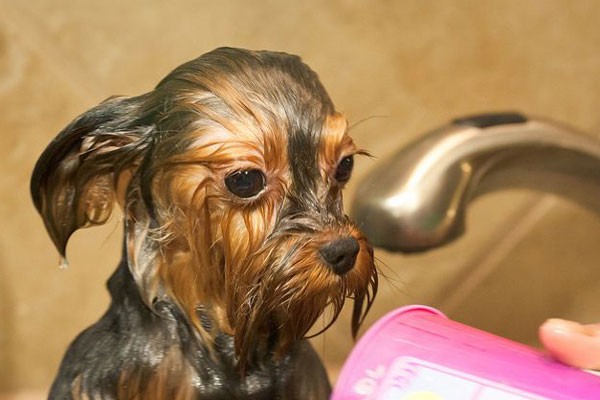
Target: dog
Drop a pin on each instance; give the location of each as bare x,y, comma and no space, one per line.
229,175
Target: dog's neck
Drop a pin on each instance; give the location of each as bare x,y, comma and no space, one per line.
166,348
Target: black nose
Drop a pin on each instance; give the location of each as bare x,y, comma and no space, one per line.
340,254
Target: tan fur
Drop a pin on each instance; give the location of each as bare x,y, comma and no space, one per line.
171,379
164,158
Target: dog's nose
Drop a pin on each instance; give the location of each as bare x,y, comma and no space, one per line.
340,254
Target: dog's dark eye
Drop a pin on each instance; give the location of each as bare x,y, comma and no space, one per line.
246,184
344,169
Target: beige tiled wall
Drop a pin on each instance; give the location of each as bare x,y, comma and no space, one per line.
403,67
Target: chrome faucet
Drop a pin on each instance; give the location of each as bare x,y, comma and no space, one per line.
417,199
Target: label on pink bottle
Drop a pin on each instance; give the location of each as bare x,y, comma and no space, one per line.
413,379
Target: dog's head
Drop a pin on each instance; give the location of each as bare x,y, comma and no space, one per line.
230,175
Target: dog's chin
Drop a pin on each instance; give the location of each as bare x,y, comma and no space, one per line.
283,307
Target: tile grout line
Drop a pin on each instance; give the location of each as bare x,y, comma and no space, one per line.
488,258
31,37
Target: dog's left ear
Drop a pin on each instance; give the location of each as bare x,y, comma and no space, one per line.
74,181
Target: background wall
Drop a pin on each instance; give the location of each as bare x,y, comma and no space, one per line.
404,66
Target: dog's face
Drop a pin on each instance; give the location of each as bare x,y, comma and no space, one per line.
230,174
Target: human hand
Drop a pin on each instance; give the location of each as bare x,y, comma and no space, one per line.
572,343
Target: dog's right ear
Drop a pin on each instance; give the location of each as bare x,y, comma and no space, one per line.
74,181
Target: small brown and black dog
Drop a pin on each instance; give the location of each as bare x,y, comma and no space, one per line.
230,176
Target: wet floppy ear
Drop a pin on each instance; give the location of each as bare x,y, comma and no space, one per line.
74,181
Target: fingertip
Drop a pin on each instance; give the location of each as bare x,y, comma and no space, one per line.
571,343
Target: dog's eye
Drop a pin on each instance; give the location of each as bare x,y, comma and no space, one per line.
246,184
344,169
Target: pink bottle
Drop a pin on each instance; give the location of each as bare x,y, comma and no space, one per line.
416,353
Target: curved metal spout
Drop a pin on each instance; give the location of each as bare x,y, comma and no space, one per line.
417,199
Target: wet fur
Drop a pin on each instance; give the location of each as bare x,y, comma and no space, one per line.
215,293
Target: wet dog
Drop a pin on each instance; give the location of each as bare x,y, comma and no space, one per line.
230,176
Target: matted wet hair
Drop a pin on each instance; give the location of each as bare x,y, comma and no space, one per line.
248,266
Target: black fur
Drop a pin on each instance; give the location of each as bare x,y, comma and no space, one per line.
130,334
74,185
